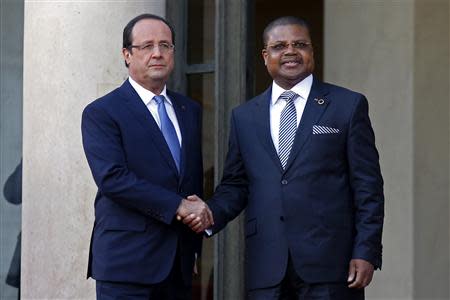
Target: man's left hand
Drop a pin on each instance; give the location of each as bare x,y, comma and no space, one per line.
360,273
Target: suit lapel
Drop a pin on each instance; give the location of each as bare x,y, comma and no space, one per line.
316,105
262,122
145,118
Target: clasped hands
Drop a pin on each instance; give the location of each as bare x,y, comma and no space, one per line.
195,213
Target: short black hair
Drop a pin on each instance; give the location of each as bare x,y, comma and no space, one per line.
128,30
281,21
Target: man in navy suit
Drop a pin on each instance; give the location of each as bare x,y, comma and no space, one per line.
143,145
302,161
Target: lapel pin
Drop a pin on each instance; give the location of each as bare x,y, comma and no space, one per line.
319,101
183,107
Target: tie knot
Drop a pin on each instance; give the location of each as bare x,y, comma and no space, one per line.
159,99
288,96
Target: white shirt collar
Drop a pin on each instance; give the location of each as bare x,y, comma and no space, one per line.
146,95
303,88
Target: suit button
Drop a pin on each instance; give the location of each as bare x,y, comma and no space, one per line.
284,182
282,218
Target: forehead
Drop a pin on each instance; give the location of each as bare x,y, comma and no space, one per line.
151,30
288,33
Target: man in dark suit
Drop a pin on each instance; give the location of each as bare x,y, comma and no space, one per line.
302,161
143,145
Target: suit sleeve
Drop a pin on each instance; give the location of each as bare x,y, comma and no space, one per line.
106,158
230,197
367,185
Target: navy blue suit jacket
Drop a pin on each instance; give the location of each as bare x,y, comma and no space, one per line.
135,236
326,207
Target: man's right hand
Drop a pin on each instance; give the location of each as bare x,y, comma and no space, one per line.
195,213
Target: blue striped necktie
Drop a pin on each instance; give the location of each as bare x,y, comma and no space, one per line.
168,130
288,126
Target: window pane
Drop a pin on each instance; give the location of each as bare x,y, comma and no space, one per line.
201,88
11,62
200,39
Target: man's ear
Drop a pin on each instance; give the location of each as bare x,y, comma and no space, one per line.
264,55
126,55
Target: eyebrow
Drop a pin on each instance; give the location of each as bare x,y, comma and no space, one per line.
152,42
300,40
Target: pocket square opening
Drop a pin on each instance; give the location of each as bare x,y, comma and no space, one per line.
318,129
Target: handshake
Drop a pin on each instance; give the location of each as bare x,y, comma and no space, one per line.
194,212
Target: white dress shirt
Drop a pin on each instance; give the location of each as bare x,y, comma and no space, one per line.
147,97
303,88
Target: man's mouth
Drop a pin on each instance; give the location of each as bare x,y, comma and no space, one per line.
291,63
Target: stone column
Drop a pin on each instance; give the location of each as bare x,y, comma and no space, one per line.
431,150
72,55
396,53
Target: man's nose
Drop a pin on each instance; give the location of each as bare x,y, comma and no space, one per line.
156,51
290,48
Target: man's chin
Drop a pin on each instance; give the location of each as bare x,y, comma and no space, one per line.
296,76
158,76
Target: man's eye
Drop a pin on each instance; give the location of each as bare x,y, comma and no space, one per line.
147,47
164,46
300,45
279,46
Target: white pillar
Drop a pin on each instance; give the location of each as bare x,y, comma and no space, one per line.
431,149
396,53
72,55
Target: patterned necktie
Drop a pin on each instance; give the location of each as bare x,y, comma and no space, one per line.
288,126
168,130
